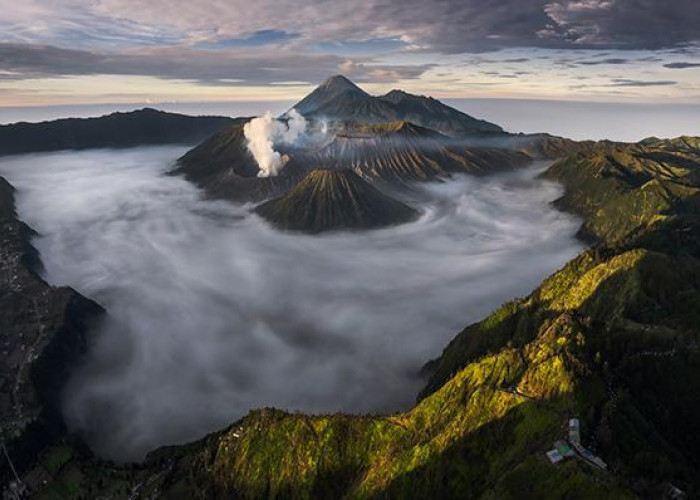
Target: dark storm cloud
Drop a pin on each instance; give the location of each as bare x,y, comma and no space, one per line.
623,24
613,61
682,65
23,61
624,82
455,26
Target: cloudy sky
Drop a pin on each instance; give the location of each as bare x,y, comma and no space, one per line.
119,51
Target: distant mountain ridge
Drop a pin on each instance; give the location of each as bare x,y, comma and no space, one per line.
146,126
339,99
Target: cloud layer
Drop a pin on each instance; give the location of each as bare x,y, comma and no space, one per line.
212,313
193,50
250,66
450,25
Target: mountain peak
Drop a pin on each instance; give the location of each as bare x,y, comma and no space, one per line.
339,83
397,93
340,99
337,90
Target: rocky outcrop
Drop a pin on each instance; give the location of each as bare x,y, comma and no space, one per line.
43,332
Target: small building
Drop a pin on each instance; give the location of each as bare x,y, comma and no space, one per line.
574,431
593,459
554,456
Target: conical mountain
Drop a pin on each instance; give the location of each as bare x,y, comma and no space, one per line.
340,99
330,199
336,92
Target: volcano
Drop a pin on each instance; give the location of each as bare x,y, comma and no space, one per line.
329,199
339,99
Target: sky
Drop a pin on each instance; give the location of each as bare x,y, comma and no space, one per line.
68,52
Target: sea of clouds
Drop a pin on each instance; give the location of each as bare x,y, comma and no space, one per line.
212,312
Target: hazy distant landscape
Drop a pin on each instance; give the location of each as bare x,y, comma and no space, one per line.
616,121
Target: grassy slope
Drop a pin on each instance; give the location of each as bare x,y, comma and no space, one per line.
611,338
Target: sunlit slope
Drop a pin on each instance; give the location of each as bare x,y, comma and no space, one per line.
624,188
472,436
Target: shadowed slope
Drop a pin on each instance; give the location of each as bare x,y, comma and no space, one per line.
403,151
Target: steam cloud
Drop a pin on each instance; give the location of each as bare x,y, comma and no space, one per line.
263,132
212,312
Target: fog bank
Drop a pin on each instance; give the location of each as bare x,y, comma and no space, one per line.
212,312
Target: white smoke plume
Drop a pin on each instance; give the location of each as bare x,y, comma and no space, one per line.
263,132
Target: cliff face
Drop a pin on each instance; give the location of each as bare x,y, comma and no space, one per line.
43,332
